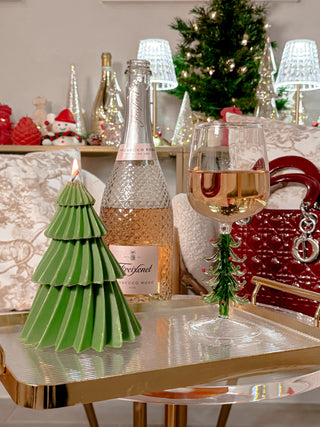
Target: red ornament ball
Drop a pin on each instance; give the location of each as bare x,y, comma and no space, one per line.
159,134
315,124
26,133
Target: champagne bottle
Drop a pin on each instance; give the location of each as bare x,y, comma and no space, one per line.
98,114
136,206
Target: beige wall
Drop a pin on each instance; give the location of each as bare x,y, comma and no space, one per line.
41,38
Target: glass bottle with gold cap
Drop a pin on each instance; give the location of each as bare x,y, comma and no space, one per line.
98,114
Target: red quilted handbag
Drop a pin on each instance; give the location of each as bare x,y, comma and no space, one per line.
283,245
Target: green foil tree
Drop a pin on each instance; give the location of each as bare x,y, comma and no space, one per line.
224,275
218,57
79,303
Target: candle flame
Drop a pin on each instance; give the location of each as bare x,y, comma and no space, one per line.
74,170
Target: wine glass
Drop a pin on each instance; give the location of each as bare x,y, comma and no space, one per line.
228,181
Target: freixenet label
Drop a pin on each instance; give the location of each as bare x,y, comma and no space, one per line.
140,264
138,152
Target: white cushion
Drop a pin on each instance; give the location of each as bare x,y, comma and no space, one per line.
29,186
194,232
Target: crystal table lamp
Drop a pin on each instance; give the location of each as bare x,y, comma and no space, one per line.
299,68
158,53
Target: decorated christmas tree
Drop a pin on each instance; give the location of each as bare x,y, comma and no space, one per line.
224,275
218,57
79,303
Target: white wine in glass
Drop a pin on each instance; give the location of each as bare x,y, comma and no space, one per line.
228,181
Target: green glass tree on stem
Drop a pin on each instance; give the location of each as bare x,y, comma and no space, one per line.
79,303
218,57
223,275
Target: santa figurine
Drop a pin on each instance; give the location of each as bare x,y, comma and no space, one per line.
62,130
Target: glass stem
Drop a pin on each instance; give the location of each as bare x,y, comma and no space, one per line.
225,228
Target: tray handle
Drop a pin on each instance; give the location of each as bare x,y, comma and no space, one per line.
2,361
260,281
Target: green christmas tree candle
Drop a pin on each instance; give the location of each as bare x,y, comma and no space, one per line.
79,303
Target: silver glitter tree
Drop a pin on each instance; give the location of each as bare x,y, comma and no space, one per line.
184,126
114,121
73,103
266,93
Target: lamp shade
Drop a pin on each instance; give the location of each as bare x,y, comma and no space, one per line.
158,53
299,66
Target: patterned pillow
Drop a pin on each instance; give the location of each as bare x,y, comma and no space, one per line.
286,139
29,186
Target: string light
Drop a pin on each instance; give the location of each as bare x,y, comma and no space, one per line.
184,74
213,15
188,55
195,26
231,64
245,40
243,69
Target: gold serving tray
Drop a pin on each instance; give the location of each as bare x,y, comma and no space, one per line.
164,356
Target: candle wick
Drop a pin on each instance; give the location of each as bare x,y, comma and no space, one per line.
75,176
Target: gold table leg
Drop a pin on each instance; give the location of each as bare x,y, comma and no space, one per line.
91,415
139,414
223,415
176,415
